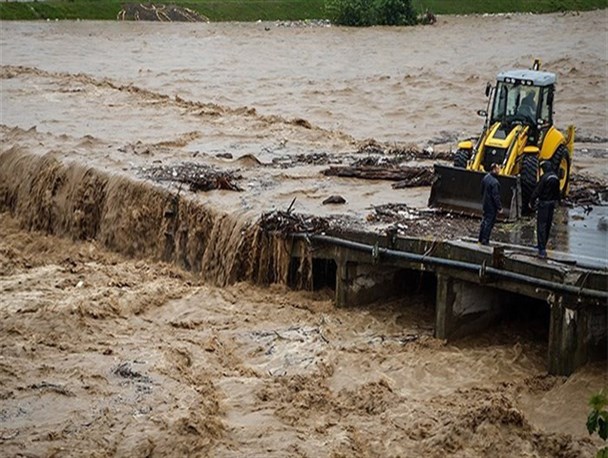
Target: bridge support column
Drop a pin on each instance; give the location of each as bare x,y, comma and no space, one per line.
360,284
464,308
576,335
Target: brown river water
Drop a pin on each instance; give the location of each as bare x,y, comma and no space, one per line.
106,351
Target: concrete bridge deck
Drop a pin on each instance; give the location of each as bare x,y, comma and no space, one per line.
474,285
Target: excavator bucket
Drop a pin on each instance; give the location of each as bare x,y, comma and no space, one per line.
459,190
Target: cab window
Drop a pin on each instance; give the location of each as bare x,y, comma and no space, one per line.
545,108
515,99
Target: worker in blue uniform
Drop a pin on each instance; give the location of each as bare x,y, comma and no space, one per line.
490,191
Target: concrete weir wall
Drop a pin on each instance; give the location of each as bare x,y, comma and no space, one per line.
138,219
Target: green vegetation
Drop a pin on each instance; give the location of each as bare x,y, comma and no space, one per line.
253,10
350,12
106,9
500,6
224,10
371,12
597,420
394,12
271,10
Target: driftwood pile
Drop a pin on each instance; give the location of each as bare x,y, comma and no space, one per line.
382,163
585,190
300,159
403,153
312,158
406,177
198,177
418,176
379,161
286,222
393,213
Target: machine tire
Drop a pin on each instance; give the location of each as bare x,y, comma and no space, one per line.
461,158
562,155
528,178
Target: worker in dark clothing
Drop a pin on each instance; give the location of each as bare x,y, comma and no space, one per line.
490,191
528,107
545,198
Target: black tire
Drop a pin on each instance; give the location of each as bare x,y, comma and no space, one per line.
461,158
556,161
528,176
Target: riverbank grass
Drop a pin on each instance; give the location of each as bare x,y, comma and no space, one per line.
274,10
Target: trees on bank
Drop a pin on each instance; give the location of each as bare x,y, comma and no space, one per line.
361,13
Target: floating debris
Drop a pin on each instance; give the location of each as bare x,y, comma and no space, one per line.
407,176
198,177
392,213
301,122
310,159
591,138
378,161
585,190
334,200
444,137
124,370
286,222
46,386
420,176
403,153
138,148
303,23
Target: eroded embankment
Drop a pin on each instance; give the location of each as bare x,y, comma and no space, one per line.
138,219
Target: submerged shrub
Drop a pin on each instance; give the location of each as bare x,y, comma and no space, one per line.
395,12
356,13
361,13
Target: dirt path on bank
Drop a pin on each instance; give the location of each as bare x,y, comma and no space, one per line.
105,356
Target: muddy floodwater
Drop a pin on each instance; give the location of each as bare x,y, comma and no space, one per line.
107,351
394,84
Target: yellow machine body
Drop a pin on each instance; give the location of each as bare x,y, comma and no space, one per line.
515,139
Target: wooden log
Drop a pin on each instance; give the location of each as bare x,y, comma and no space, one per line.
406,176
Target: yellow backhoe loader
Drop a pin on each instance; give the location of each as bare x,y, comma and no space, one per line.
518,133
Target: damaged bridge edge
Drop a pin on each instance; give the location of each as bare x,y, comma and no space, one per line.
473,285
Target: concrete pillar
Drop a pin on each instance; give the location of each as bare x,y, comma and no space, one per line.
359,284
464,308
444,314
576,335
341,283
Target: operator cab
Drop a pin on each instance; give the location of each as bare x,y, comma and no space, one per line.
524,97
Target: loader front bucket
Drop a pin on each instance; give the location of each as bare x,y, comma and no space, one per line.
459,190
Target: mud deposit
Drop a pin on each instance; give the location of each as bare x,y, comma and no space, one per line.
104,356
143,310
